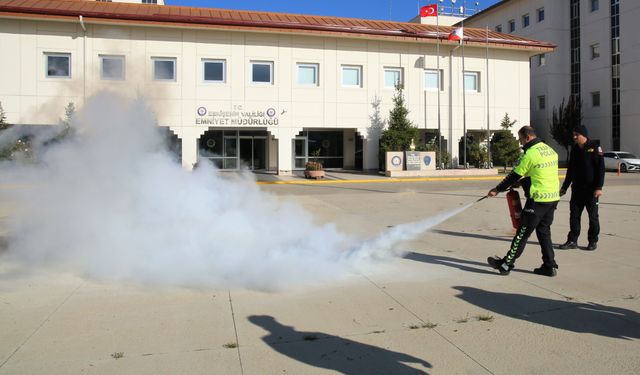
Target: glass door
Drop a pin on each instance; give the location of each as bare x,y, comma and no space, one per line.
259,153
300,152
246,151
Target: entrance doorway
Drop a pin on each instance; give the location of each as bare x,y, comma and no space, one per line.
300,152
233,149
253,152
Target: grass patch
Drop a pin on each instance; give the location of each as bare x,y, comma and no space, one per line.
230,345
117,355
485,318
462,320
631,296
429,325
414,326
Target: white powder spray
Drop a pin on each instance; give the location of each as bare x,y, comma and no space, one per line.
111,204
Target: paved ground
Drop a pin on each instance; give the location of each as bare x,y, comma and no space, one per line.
438,310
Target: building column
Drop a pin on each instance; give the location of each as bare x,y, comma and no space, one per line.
370,149
189,137
284,137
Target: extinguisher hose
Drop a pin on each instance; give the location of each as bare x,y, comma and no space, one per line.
486,196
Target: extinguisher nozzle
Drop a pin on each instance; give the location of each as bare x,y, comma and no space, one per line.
486,196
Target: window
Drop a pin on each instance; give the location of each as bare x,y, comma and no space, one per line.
112,67
433,80
595,99
512,26
58,65
595,51
392,77
214,70
308,74
525,20
262,72
472,81
542,102
595,5
542,59
164,69
499,28
351,75
540,13
149,1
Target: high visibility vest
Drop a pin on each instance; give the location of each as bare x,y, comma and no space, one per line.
540,163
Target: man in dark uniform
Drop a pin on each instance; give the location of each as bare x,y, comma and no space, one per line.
585,174
537,172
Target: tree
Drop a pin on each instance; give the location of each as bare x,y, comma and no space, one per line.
433,144
3,119
504,146
398,136
563,120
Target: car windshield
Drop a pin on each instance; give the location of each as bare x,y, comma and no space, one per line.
626,155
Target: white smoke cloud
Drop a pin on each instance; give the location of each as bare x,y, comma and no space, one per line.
112,204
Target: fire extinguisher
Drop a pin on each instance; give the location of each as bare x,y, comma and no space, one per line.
515,207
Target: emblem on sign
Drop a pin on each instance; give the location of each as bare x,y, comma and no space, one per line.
202,111
271,112
396,161
427,160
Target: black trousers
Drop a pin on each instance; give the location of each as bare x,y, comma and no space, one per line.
581,199
538,217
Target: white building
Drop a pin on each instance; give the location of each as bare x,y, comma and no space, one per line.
263,89
597,59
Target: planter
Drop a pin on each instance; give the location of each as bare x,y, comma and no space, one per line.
314,174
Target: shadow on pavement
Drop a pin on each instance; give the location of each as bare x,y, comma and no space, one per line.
474,235
333,352
577,317
461,264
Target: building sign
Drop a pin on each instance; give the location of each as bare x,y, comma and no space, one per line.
413,160
238,116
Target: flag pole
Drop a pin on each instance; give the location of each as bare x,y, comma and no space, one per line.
464,94
439,82
487,79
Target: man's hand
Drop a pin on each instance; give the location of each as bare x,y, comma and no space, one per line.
563,192
597,193
492,193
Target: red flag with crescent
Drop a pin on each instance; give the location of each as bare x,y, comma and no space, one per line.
429,10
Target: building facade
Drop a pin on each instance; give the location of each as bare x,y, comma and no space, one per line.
260,90
596,60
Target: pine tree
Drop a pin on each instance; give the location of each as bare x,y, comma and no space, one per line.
504,146
3,119
398,136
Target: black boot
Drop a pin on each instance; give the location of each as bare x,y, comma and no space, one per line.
500,265
545,271
568,245
592,246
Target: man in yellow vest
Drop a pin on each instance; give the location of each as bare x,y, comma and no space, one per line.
537,172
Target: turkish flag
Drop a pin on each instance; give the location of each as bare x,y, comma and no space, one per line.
429,11
456,34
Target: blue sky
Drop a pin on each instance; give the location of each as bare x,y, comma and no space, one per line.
396,10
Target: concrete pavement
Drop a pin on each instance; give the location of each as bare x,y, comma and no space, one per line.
438,310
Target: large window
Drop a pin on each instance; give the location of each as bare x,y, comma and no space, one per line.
433,80
112,67
351,76
499,28
164,69
512,26
262,72
472,81
540,13
525,20
595,5
392,77
58,65
214,70
307,74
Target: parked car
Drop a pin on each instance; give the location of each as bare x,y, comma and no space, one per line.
628,161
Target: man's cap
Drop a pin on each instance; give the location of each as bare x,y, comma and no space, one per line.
581,129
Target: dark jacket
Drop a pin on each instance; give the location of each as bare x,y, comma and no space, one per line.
586,167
